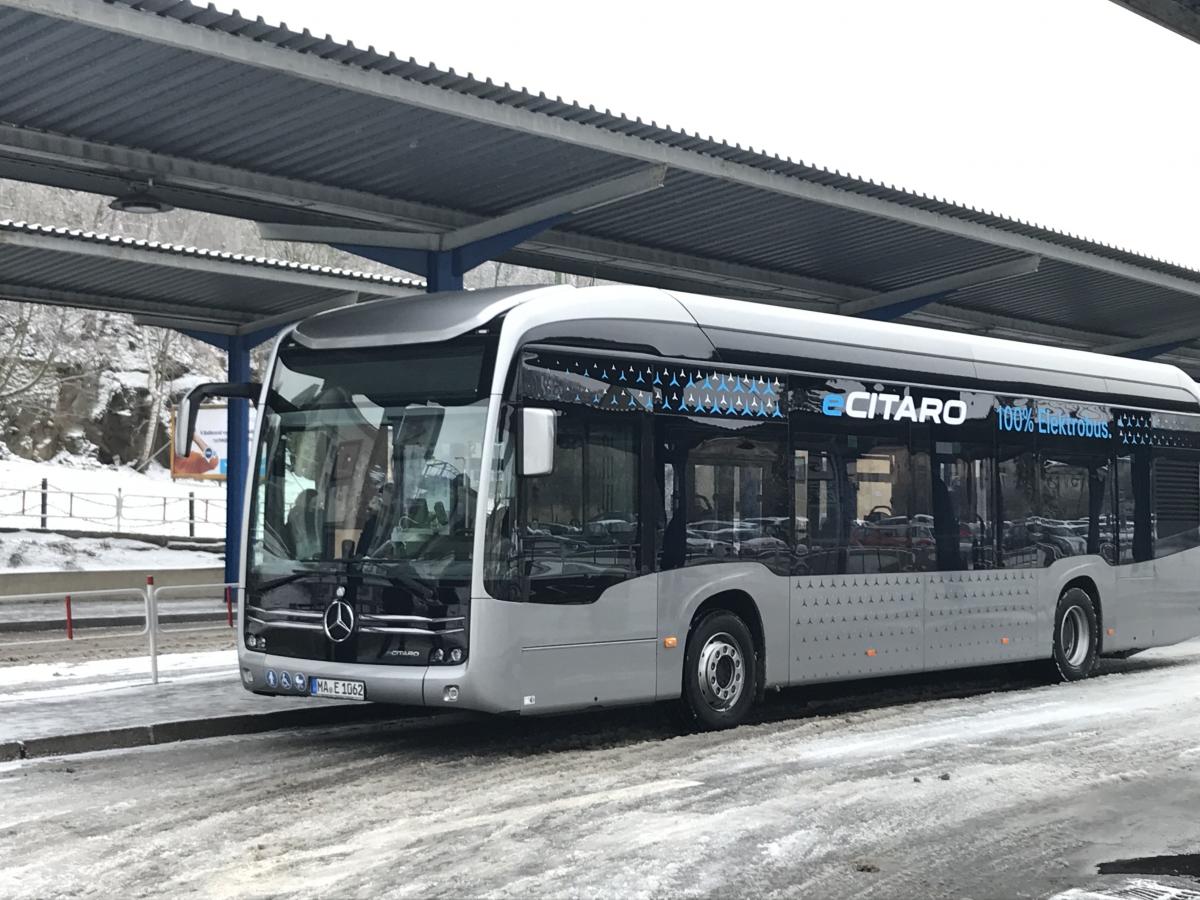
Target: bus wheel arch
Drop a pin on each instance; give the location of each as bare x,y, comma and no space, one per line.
1075,644
725,630
1086,584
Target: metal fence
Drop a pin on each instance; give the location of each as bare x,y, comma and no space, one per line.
148,597
45,506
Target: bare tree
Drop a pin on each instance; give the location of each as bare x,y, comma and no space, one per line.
158,345
34,339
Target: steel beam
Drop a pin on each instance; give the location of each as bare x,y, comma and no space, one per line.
1179,335
178,314
222,185
1169,340
215,185
894,304
260,54
566,203
1154,350
1177,15
444,258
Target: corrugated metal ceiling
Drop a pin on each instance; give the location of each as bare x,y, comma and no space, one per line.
194,287
126,90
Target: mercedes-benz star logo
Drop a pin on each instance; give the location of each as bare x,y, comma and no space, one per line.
339,621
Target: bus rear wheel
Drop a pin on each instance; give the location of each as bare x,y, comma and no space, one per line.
1076,635
720,672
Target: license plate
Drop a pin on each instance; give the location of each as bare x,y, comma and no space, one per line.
342,690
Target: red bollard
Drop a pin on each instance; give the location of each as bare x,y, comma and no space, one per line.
70,622
229,604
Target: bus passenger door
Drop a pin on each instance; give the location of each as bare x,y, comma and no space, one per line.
725,526
1132,616
590,611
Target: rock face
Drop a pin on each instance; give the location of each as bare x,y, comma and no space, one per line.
95,397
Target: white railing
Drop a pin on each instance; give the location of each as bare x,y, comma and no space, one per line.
149,595
179,516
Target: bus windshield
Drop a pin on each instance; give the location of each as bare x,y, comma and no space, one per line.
369,459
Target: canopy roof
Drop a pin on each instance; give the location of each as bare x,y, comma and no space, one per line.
182,287
251,119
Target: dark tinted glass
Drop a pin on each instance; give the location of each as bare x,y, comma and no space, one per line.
725,493
820,519
1135,540
1176,501
1019,476
1075,512
370,458
579,529
891,526
964,518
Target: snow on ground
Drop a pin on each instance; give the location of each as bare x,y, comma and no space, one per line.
39,683
83,497
882,791
99,670
29,551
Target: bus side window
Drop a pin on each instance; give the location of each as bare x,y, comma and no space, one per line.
964,520
1075,506
1176,495
820,525
1134,525
725,495
579,528
1018,475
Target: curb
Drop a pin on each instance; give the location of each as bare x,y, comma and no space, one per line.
198,729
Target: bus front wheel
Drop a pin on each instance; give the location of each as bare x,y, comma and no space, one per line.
720,672
1076,635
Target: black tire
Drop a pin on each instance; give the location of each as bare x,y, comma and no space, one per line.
721,698
1076,636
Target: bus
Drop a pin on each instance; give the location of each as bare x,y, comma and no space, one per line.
540,499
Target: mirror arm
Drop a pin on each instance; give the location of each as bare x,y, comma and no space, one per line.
189,407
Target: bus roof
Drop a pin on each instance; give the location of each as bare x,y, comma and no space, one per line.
801,333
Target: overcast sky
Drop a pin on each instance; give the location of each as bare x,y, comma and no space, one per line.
1075,114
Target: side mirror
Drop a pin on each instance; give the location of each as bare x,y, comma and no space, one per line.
189,408
538,433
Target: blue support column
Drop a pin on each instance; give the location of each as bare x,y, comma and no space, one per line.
440,274
237,462
444,269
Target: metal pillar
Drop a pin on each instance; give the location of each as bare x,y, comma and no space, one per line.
237,463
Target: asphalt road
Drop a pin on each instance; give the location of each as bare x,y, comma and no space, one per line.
985,784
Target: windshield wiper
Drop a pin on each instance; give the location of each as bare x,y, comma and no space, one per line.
322,568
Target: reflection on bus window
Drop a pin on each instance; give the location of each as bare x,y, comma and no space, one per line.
580,530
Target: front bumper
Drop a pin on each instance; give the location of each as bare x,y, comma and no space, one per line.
401,685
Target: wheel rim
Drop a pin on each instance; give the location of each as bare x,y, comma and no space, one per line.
1075,637
721,672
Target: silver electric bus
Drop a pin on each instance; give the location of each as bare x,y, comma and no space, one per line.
533,500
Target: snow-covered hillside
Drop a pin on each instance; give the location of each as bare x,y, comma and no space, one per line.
83,496
27,551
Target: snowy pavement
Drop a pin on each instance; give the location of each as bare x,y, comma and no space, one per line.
42,700
981,785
